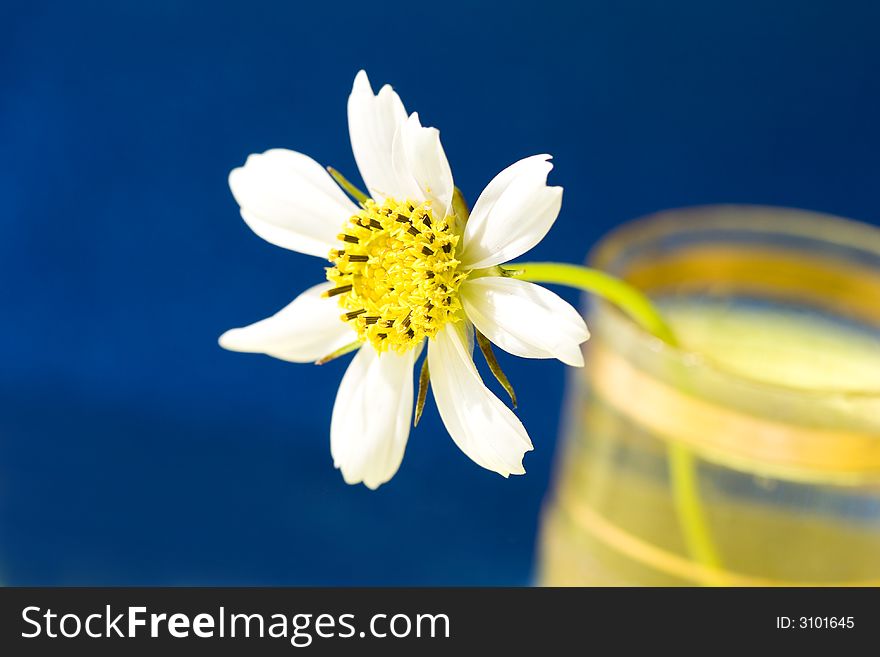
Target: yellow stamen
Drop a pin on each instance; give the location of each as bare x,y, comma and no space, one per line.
395,274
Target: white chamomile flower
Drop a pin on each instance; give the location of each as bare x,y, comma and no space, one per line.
407,266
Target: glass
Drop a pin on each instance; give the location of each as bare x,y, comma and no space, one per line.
774,397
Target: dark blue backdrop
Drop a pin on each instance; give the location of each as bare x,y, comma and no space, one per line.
134,450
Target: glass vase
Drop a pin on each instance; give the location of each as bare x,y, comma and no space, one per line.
750,455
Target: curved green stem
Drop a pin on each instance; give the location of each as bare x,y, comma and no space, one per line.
682,465
624,296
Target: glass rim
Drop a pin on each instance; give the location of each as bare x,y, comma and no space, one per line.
786,222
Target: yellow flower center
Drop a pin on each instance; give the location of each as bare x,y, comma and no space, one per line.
396,274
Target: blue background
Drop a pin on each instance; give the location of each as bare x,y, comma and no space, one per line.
133,450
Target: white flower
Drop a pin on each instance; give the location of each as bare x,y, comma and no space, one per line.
407,270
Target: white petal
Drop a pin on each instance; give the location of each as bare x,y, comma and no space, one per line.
513,214
373,120
421,165
307,329
288,199
371,416
525,319
479,423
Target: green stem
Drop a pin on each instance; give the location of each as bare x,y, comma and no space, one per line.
691,516
682,465
624,296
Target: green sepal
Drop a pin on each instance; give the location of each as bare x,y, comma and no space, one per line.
339,352
424,384
492,362
343,182
460,207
